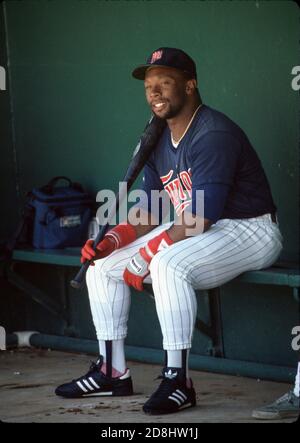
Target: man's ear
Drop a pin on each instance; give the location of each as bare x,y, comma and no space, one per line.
191,85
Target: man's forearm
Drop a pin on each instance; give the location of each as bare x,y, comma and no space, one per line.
188,226
147,221
185,227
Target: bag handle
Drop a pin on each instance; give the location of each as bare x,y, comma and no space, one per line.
48,188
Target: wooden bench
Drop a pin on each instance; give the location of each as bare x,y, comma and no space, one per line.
280,274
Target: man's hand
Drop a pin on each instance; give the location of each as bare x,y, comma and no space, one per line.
137,270
138,267
118,237
103,249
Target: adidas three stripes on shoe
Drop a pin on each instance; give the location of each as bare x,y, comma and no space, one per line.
95,384
172,394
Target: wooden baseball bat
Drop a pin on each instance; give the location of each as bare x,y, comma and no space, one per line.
145,146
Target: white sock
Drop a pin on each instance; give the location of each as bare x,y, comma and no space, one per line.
174,360
118,354
297,382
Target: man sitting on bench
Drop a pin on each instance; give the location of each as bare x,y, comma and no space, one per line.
201,149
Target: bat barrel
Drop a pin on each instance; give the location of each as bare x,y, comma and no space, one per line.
78,280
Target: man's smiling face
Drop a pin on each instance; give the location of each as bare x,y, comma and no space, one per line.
165,91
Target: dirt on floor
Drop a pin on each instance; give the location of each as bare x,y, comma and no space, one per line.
28,378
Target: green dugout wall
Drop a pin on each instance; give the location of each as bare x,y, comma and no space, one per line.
72,108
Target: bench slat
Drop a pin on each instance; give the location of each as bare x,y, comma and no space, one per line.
275,275
65,257
272,276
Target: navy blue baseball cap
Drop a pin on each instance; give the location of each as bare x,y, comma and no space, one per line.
169,58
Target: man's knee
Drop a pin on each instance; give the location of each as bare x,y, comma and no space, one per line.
106,266
165,264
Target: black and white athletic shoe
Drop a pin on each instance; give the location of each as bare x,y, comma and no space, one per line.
94,383
172,394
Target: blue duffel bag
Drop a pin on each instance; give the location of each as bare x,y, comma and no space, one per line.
60,214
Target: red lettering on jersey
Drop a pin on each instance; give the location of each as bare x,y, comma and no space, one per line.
166,178
182,207
173,193
180,195
186,180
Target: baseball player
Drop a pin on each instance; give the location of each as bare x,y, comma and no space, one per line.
200,150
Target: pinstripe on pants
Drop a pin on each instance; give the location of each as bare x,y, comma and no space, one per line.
211,259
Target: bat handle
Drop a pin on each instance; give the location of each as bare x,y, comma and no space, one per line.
78,280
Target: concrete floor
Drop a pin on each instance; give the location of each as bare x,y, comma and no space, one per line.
28,378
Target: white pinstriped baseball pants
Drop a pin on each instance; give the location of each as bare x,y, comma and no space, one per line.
227,249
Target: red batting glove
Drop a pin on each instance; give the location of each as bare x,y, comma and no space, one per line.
157,244
138,267
136,271
118,237
103,249
122,234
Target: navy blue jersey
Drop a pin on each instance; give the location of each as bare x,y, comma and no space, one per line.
215,156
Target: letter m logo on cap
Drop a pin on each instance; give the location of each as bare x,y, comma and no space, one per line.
156,56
